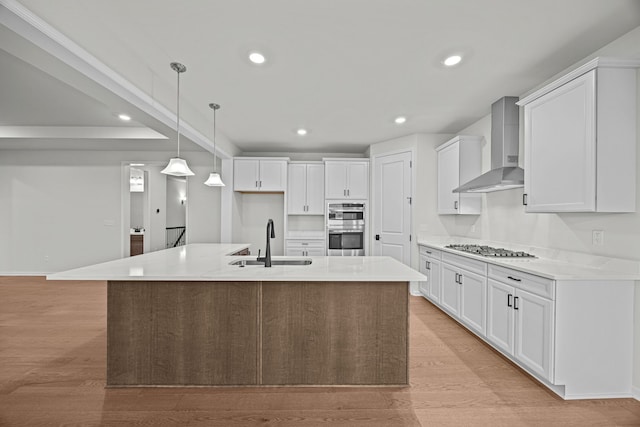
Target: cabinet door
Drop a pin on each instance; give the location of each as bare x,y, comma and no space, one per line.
534,333
314,251
336,180
423,267
560,148
315,189
273,175
297,189
450,298
246,174
358,180
448,179
434,279
473,301
294,252
500,314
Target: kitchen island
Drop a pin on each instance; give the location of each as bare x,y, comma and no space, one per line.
187,316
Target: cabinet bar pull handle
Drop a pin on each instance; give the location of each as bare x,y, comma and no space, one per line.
260,184
428,252
460,279
514,279
256,184
524,199
515,303
509,300
348,192
455,205
428,265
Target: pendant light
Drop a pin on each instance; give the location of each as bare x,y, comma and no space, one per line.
214,179
178,166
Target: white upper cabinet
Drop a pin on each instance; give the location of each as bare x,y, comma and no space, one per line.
260,174
346,179
459,161
305,191
580,141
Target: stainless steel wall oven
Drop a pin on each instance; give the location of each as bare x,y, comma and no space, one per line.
345,229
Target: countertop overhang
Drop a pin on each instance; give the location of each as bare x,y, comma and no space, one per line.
211,262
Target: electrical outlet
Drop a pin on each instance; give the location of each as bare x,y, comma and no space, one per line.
46,258
597,237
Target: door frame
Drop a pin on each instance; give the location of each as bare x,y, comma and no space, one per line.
125,202
371,232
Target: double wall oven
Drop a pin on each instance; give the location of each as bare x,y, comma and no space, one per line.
345,229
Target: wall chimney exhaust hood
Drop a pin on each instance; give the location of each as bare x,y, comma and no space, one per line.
505,173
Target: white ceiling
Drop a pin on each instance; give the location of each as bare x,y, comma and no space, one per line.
342,69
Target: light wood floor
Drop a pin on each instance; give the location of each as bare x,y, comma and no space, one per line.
53,358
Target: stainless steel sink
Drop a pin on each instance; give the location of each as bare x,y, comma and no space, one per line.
248,262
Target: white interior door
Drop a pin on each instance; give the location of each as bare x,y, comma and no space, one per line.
392,206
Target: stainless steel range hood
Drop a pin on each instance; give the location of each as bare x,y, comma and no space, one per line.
504,173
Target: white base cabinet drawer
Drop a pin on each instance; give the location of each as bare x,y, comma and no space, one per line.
535,284
310,247
468,264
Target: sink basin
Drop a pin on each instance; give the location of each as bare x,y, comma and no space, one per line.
246,262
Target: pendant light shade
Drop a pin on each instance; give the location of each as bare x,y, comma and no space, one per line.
178,166
214,179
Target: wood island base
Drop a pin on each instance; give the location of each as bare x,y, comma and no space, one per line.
196,333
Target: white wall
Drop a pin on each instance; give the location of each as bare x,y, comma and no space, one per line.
63,209
137,210
203,206
256,210
176,209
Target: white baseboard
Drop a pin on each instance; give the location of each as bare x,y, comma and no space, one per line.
635,392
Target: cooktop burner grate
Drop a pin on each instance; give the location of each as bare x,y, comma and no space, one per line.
489,251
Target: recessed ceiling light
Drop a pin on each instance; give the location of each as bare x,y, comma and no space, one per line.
257,58
124,117
301,132
452,60
400,120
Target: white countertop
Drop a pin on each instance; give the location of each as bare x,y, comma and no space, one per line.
210,262
552,264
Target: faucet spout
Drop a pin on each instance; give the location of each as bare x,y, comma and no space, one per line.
271,234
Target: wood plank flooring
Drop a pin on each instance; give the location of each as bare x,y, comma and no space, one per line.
53,370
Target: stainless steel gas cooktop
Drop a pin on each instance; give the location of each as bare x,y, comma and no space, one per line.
489,251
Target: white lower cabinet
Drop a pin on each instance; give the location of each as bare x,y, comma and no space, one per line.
464,291
450,289
534,333
305,247
430,267
573,335
520,324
